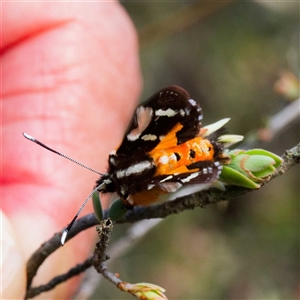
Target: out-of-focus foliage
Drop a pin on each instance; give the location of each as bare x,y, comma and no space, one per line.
229,62
288,85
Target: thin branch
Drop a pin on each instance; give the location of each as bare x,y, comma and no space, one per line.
112,277
129,238
139,290
32,292
290,158
284,118
104,231
201,199
96,259
38,257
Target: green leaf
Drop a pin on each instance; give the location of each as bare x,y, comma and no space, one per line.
117,210
249,168
256,163
265,173
238,161
97,206
231,176
278,160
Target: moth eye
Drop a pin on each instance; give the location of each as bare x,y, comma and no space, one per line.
192,153
209,148
177,156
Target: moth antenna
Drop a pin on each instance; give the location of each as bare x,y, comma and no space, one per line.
32,139
65,233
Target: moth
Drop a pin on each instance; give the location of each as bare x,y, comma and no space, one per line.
163,149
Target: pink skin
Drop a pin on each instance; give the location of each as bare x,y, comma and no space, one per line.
70,78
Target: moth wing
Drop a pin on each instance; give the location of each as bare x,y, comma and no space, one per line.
197,173
155,118
203,173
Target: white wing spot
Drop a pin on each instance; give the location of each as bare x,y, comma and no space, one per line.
149,137
137,168
164,159
167,178
144,117
193,102
130,200
122,190
168,113
150,186
112,160
220,167
187,111
190,177
107,181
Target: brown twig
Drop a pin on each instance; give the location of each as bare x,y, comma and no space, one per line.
129,238
104,232
38,257
59,279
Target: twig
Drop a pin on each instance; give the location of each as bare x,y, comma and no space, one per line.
59,279
53,244
131,237
284,118
104,232
290,158
113,278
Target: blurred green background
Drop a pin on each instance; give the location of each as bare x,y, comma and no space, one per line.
228,55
